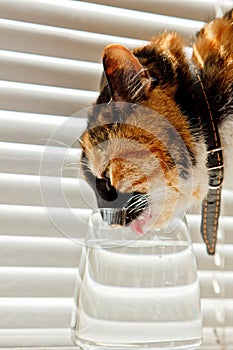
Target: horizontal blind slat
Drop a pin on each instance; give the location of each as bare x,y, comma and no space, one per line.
37,282
26,190
216,284
56,312
42,221
217,313
22,339
43,70
43,99
57,252
222,260
29,242
77,190
97,18
39,129
226,205
37,221
57,42
198,9
225,228
213,337
37,338
35,312
26,159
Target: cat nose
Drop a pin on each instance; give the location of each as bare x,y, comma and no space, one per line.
108,197
115,199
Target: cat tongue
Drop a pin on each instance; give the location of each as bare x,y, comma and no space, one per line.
138,225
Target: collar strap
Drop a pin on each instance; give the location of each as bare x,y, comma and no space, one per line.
211,203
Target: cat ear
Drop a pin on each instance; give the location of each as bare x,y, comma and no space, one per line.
127,79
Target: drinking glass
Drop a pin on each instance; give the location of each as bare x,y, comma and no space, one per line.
136,291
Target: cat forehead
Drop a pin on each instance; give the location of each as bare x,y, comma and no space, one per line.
108,113
112,137
135,122
104,143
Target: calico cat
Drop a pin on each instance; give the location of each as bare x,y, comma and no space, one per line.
144,148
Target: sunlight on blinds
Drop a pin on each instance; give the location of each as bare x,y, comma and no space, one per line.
50,68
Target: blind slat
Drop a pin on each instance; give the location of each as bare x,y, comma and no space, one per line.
222,260
198,9
39,129
56,338
26,190
46,100
35,312
217,313
29,220
57,42
39,252
216,284
214,336
97,18
35,69
37,338
56,312
35,221
225,227
26,159
37,282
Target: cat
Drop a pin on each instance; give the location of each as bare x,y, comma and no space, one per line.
144,148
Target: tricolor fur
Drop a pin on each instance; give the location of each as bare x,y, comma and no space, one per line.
144,146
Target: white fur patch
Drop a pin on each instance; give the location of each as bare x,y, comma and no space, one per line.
200,174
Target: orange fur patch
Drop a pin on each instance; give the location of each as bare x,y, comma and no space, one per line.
216,40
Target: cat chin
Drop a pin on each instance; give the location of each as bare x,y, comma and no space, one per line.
149,220
159,213
190,192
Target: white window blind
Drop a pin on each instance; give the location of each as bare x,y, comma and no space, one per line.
50,54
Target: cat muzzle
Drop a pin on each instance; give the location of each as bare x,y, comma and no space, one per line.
131,207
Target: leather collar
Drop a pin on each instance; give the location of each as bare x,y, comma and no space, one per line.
212,202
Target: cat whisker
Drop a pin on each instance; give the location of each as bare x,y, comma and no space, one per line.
78,163
136,211
83,144
138,205
139,91
132,77
55,142
70,168
47,172
77,169
136,85
134,202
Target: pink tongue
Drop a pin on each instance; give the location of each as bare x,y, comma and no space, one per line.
138,224
137,227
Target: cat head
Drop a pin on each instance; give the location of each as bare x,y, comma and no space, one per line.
137,149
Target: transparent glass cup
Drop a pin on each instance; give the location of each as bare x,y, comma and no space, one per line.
136,291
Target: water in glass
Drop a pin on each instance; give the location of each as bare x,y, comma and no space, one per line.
137,292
